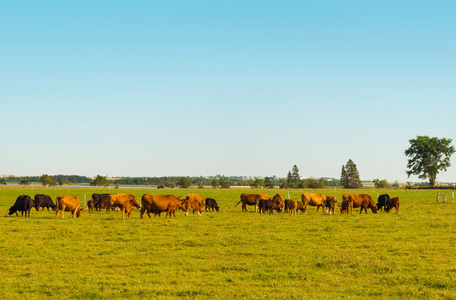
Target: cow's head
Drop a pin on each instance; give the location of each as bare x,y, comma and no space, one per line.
135,203
78,212
12,210
216,208
374,209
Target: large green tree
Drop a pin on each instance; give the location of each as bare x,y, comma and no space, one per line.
428,156
350,176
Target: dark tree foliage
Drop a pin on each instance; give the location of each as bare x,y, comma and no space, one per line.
428,156
99,181
183,183
350,177
381,184
224,183
47,180
268,183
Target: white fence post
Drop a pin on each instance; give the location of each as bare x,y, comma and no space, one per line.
438,196
444,199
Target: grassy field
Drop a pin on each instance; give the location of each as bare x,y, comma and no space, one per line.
230,254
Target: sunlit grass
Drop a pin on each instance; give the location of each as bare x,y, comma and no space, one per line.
230,253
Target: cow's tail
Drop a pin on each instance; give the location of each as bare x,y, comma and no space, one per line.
238,202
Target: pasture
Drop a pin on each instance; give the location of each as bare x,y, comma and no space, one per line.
230,254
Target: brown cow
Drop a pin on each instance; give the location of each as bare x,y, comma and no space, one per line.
252,199
279,200
314,200
196,203
123,200
328,205
160,203
393,202
293,206
91,205
345,206
67,203
360,200
298,205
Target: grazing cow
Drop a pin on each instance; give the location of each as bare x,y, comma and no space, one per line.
279,200
23,204
67,203
161,203
101,200
196,203
360,200
393,202
122,201
268,205
43,201
292,206
91,205
345,206
211,204
251,199
299,205
328,205
314,200
382,199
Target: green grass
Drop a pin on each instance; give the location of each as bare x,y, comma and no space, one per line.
230,254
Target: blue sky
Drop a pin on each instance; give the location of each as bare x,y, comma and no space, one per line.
156,88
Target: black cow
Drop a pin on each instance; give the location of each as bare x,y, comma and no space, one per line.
101,201
211,204
43,201
268,205
382,199
23,204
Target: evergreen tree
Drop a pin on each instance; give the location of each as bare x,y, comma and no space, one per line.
352,175
289,181
343,178
296,179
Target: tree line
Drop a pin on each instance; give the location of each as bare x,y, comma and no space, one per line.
427,157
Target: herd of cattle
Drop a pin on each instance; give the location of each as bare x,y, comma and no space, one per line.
170,204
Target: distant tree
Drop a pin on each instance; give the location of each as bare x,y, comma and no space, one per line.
160,186
381,184
295,178
268,183
350,176
344,177
169,184
395,184
224,184
200,185
289,180
257,183
61,183
184,182
3,181
24,182
215,183
428,156
67,181
100,181
47,180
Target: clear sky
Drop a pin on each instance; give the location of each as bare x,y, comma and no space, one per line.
189,88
